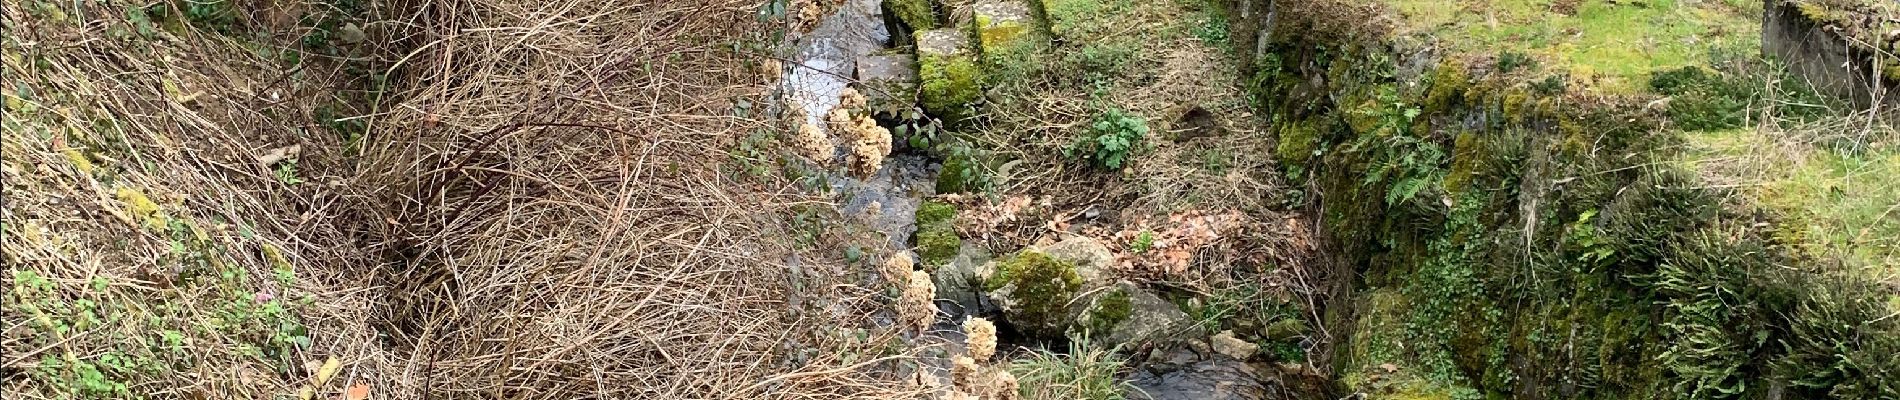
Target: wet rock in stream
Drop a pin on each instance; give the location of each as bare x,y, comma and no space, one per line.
1198,372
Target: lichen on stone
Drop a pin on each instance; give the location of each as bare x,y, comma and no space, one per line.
1001,24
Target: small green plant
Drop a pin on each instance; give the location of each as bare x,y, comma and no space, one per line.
1212,28
1087,372
1100,62
1405,163
1551,85
1144,241
286,172
1111,139
754,154
1509,61
1702,99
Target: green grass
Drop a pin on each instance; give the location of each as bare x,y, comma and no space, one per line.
1833,202
1615,44
1087,372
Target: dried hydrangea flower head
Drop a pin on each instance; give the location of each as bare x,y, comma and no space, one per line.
1002,385
966,374
897,268
812,143
914,305
981,335
851,99
870,144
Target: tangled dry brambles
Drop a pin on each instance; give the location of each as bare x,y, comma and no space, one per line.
529,212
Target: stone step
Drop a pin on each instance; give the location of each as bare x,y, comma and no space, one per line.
889,83
947,69
1003,27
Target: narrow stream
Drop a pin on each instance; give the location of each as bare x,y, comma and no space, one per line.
824,63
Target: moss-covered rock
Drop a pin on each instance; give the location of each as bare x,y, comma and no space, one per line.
1298,140
1035,292
890,83
1107,310
937,240
1555,251
1004,30
918,15
935,213
951,80
1065,290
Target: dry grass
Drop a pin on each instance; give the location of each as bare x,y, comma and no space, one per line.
543,207
148,250
1149,60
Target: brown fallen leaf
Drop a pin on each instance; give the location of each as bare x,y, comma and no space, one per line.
358,391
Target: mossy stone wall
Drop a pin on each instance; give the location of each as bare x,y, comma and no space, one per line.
1521,242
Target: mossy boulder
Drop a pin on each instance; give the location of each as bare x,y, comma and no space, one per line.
947,68
918,15
1092,259
1128,314
1035,292
1065,290
937,240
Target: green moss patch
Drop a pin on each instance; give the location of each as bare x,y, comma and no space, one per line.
1039,290
1109,309
937,240
918,15
951,80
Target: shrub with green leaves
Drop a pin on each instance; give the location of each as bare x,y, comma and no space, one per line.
1111,139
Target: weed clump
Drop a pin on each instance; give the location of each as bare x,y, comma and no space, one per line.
1702,99
1086,372
1111,139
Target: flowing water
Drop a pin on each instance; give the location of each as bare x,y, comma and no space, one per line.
822,65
